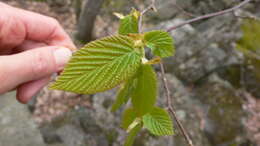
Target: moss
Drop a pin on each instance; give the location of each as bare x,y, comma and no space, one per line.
111,136
232,74
224,113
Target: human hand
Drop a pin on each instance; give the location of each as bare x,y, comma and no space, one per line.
32,48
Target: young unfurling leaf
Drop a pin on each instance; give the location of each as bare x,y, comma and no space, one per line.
99,66
129,23
144,95
158,122
160,42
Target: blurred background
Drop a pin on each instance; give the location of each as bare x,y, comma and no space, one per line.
215,84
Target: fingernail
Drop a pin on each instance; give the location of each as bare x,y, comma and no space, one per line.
62,56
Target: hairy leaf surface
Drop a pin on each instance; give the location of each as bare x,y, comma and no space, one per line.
124,94
129,23
160,42
99,66
129,116
158,122
132,134
144,95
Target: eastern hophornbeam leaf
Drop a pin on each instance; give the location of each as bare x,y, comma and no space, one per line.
144,95
129,23
158,122
99,66
160,42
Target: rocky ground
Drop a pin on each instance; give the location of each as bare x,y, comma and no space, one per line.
215,94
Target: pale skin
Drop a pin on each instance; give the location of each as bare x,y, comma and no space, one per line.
32,48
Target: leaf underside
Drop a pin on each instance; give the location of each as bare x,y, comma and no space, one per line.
123,94
99,66
129,116
144,95
160,42
158,122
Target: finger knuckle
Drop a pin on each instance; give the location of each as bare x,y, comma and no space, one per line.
55,27
40,63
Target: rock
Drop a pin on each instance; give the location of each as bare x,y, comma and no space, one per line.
207,112
17,127
180,33
71,135
223,112
75,128
189,111
201,51
168,9
199,7
243,76
251,77
165,10
95,126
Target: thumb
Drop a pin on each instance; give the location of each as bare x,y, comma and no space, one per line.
31,65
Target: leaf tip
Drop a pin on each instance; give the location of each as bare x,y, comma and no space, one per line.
119,15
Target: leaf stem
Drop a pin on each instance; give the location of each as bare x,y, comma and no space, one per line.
171,109
209,15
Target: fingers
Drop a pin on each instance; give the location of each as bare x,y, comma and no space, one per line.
31,65
44,29
27,90
28,45
12,29
18,25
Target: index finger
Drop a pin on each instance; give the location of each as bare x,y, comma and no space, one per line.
43,29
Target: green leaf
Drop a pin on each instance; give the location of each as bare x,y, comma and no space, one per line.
144,95
160,42
129,116
132,134
99,66
158,122
124,94
129,24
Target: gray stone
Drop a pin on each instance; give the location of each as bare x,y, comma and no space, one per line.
200,7
165,10
71,135
17,127
168,9
223,112
201,51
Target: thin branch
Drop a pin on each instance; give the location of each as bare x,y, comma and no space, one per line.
171,109
150,7
210,15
